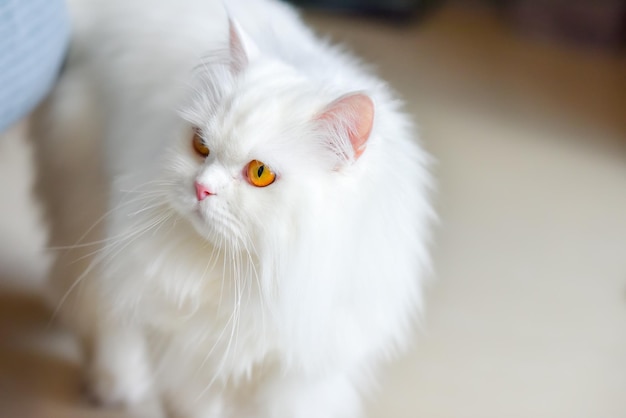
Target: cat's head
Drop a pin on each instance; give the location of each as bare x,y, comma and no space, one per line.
262,146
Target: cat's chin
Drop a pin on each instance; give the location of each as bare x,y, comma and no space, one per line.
199,222
204,228
210,230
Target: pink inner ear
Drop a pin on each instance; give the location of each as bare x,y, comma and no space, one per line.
354,112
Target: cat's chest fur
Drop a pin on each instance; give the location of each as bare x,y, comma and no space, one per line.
193,300
187,295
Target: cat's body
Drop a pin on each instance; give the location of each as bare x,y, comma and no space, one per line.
265,302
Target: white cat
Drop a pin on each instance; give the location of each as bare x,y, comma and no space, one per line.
240,210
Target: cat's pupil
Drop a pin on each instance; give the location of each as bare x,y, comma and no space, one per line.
259,172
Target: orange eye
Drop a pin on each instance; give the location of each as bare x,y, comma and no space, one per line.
198,144
259,174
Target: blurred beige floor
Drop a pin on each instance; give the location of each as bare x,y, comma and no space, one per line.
527,317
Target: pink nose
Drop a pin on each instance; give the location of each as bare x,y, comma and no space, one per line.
202,191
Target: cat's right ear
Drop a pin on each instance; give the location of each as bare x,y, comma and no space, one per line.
348,122
242,49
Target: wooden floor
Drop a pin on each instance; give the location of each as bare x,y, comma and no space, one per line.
527,316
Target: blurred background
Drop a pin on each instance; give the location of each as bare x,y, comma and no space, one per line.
587,21
523,105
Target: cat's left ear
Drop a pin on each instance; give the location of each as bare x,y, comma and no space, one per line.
242,48
348,122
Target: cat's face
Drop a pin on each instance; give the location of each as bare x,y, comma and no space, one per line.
261,148
247,165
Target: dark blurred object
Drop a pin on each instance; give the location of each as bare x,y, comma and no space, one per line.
384,8
601,22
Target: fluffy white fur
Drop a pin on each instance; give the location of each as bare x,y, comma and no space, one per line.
274,302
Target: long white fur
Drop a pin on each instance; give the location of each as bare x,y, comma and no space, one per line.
275,302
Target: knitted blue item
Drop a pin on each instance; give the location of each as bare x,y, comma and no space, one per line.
34,35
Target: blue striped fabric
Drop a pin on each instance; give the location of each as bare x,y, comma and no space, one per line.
34,36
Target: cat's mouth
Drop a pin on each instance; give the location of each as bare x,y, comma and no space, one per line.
216,225
203,221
